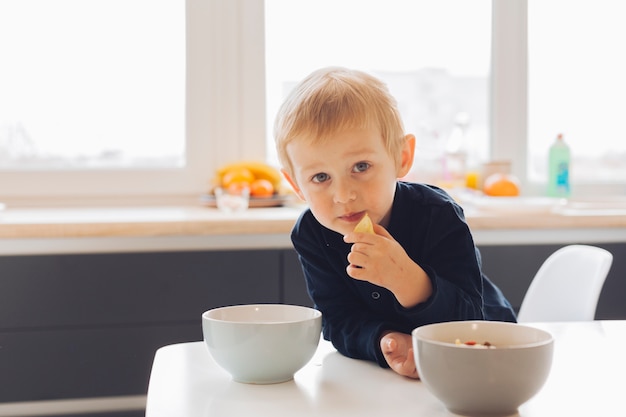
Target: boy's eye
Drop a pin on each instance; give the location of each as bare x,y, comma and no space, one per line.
321,177
361,166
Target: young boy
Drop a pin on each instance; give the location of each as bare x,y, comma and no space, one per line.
342,146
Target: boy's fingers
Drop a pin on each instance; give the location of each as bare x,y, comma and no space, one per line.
389,345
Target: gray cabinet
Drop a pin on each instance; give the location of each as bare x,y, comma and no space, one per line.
75,326
293,285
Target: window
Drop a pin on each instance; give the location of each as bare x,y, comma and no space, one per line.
84,89
125,99
572,85
576,86
227,114
436,63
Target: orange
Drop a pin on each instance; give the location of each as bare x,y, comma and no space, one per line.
238,187
261,188
237,175
499,185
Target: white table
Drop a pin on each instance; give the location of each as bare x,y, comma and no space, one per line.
588,378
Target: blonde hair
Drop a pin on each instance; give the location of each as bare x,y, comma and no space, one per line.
331,100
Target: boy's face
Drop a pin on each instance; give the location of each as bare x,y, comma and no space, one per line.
348,175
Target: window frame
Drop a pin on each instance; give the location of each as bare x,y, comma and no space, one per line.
225,119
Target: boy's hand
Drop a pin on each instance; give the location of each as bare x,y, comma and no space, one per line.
378,258
397,349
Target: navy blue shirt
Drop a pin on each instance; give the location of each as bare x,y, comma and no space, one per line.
431,228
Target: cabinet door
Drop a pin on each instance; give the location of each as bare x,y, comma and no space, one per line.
112,289
294,285
63,363
75,326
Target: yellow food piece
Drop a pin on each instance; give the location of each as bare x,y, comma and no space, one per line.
364,225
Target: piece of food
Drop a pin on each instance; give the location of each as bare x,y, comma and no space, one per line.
499,185
365,225
472,343
258,169
238,187
237,175
261,179
261,188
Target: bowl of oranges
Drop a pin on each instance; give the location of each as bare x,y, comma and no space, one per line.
257,182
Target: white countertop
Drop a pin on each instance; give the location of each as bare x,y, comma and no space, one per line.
586,379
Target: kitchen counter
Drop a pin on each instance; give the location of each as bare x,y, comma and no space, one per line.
149,228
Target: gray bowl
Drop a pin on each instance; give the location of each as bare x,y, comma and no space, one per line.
483,381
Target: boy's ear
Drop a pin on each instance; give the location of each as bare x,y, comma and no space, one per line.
406,158
293,184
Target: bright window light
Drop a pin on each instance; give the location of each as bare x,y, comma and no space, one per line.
577,87
92,84
434,56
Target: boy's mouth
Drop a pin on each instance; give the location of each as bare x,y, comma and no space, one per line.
353,217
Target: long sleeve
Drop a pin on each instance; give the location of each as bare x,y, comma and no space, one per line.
432,230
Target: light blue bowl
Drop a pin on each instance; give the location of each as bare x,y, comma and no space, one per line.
262,343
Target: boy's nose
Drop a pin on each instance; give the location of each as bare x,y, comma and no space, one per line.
343,193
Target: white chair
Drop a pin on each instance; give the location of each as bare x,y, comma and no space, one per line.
567,285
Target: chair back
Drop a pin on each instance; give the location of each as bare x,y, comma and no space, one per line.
567,285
